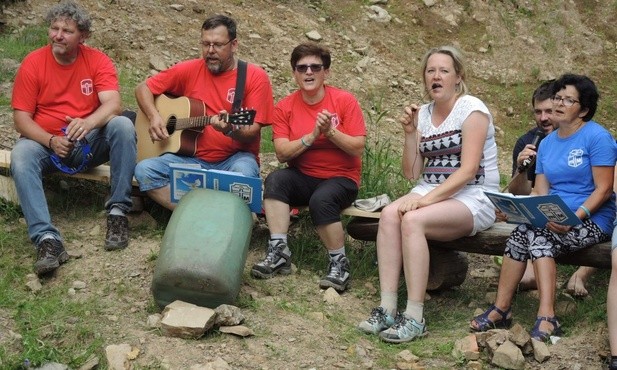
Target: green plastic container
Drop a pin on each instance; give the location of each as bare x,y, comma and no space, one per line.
204,250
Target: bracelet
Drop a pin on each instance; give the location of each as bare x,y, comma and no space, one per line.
587,212
303,143
49,144
331,133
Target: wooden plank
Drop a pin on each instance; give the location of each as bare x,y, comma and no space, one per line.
491,242
7,189
99,173
5,158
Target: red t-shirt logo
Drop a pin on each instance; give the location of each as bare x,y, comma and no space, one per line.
334,120
231,93
87,87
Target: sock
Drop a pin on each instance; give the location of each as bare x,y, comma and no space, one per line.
414,310
389,302
282,237
47,236
334,254
116,211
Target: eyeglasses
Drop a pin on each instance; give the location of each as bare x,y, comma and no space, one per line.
567,102
216,45
302,68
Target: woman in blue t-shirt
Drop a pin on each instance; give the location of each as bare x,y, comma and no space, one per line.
577,162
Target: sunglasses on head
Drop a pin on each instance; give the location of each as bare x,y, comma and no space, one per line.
304,67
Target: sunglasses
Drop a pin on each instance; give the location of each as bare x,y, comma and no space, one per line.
302,68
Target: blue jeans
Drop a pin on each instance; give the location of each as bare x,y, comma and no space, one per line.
115,143
153,173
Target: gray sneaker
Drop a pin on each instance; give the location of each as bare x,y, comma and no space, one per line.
377,322
50,255
277,261
338,274
117,232
405,330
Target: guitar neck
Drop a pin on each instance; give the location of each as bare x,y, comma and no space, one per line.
193,122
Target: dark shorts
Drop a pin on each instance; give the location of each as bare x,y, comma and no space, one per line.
326,198
527,242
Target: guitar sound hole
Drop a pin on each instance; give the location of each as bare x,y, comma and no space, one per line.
171,125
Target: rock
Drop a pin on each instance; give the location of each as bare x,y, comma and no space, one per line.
117,356
466,347
379,14
154,321
407,356
429,3
331,296
313,36
540,351
33,283
239,330
186,320
518,335
228,315
79,285
157,63
496,339
177,7
508,356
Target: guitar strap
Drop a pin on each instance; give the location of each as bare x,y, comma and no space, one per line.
240,82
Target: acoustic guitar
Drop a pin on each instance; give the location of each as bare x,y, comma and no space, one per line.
184,118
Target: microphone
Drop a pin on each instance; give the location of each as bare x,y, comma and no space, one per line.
527,162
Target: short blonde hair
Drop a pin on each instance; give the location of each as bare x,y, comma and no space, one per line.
459,66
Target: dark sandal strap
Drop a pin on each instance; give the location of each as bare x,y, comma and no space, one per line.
544,335
483,320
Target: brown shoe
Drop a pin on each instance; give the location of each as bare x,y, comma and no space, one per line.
50,255
117,232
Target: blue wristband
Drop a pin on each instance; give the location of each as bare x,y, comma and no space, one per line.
586,210
303,143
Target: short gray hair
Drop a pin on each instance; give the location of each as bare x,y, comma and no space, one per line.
70,10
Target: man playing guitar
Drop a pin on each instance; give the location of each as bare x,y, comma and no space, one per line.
212,80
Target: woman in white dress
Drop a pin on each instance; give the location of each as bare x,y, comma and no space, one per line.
450,148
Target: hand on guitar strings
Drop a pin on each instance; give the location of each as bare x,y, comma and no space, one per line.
220,123
158,129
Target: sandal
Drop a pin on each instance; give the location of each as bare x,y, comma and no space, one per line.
542,336
612,365
483,323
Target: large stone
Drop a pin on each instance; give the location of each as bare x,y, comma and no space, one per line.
508,356
466,347
518,335
228,315
186,320
540,351
118,356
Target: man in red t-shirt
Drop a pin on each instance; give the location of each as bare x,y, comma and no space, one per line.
65,105
211,79
319,132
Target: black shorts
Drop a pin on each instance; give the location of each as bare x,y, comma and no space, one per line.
326,198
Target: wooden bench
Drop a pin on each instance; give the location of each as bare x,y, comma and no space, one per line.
448,262
99,173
